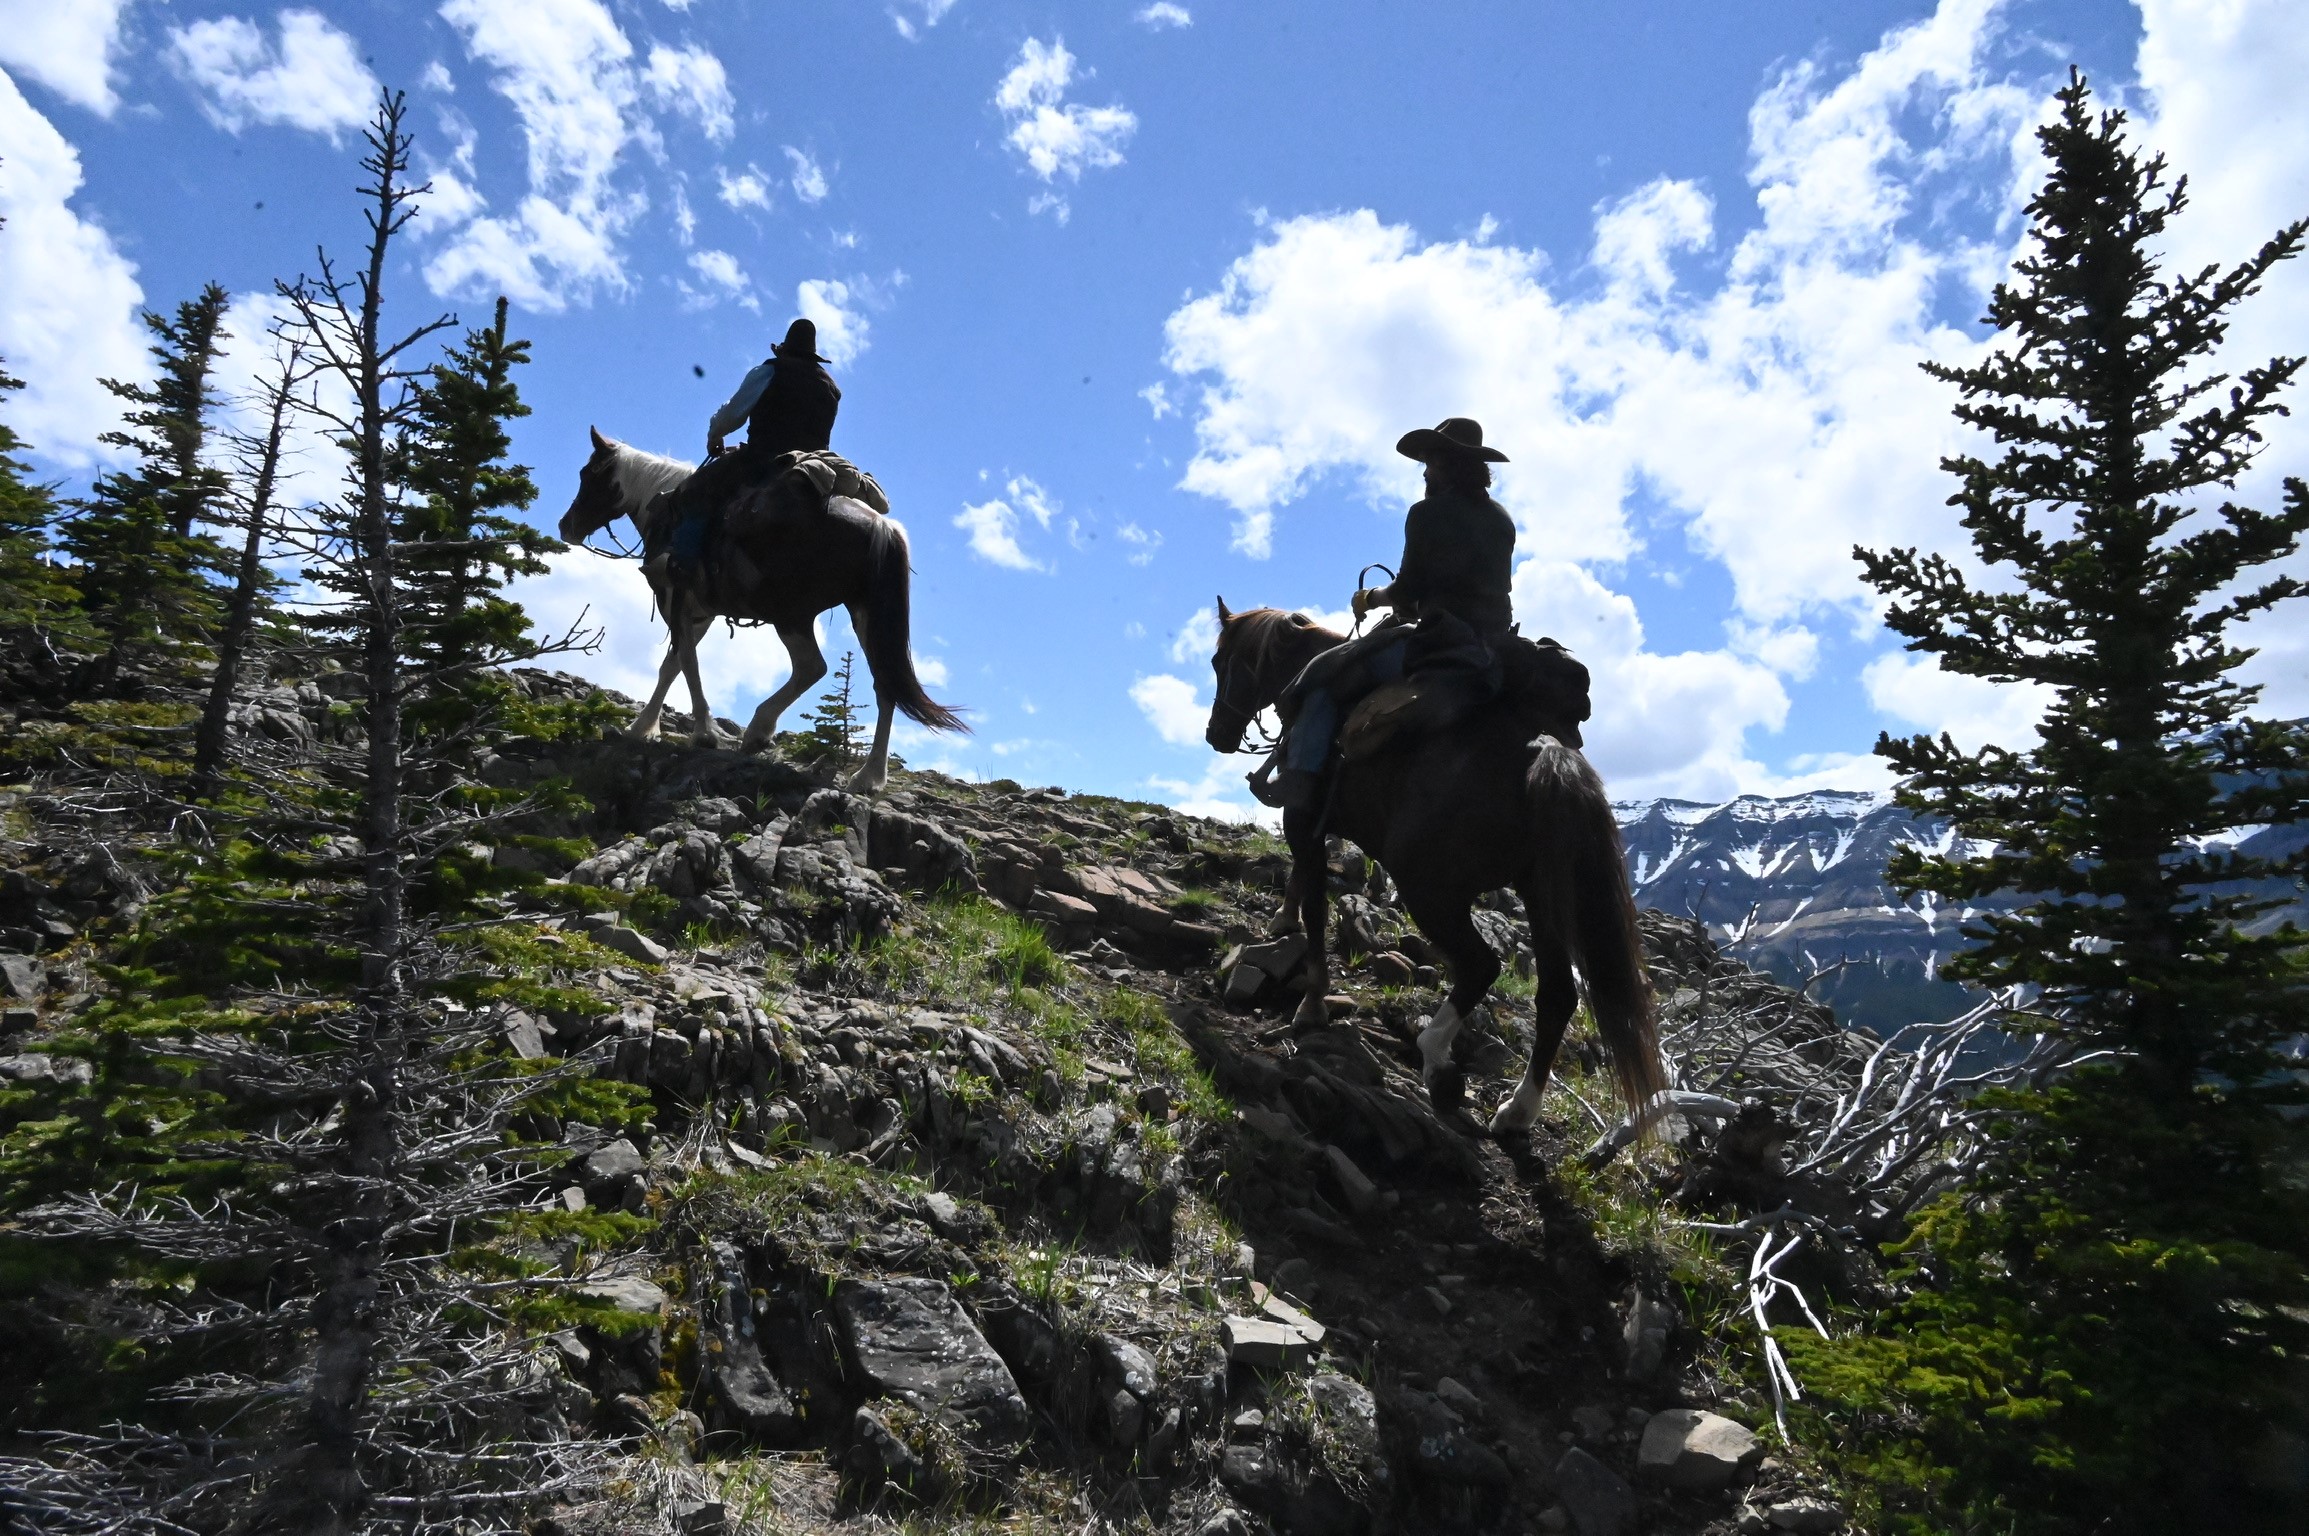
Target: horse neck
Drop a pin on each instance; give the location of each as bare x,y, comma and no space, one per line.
1284,652
642,478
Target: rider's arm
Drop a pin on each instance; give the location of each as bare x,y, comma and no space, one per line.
1374,597
734,412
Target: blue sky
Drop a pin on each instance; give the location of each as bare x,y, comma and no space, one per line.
1129,302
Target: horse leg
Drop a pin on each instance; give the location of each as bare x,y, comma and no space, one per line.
870,779
1448,926
1551,1012
1311,891
644,727
1289,920
804,666
702,732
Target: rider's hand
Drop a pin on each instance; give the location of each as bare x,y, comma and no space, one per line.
1362,601
714,448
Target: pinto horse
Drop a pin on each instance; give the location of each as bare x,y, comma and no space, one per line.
783,559
1496,802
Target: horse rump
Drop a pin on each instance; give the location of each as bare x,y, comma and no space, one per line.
888,638
1581,872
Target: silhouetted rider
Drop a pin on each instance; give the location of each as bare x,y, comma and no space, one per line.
787,403
1450,599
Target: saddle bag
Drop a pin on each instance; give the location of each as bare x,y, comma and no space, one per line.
831,475
1451,678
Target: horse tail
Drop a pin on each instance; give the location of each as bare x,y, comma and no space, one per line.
1583,872
888,639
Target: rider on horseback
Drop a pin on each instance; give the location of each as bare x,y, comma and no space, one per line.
786,404
1450,602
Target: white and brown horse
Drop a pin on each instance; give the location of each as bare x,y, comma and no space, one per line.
782,558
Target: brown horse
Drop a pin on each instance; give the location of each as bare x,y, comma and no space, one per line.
783,559
1495,803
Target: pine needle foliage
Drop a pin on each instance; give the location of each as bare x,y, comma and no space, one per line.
835,732
2102,1333
36,600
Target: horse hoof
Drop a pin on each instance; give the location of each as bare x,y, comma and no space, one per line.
1311,1013
1446,1089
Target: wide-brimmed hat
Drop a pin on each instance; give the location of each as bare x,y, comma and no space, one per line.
801,341
1454,437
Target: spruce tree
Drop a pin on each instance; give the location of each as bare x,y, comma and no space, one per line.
834,727
141,562
2099,1334
35,599
459,542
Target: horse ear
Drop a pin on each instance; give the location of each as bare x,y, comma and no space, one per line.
1224,616
599,442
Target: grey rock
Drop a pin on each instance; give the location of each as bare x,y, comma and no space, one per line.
1263,1343
701,1517
880,1461
627,1293
1599,1500
1125,1417
22,977
1244,983
909,1339
1805,1515
1463,1402
523,1036
1693,1450
1592,1421
36,1068
1351,1183
612,1163
1644,1337
1444,1451
1125,1365
632,943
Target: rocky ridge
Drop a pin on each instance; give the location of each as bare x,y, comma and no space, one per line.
986,1173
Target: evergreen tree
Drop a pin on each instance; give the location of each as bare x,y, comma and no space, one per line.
34,596
459,543
141,563
2099,1335
834,726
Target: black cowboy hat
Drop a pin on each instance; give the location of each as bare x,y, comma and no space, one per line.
801,341
1455,437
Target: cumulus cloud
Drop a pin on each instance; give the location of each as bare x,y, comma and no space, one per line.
809,177
68,298
312,77
69,48
748,188
1164,13
994,525
1143,542
722,278
834,308
692,82
1914,691
1057,138
1171,706
570,75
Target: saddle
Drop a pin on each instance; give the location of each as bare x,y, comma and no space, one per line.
1450,679
828,475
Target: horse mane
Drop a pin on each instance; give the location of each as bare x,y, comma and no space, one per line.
643,476
1262,630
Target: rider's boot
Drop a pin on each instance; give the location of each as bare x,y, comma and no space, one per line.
1296,789
1262,782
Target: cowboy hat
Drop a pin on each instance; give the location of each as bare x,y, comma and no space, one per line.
1455,437
801,341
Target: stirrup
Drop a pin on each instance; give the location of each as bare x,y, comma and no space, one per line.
1262,782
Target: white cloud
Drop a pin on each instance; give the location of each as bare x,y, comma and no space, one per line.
994,525
832,306
692,82
809,177
723,279
1158,398
1912,689
68,298
66,45
569,74
931,13
437,78
1197,638
1056,137
1171,707
748,188
1165,13
313,78
312,466
1218,793
1143,542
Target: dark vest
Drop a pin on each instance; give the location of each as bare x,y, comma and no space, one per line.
797,409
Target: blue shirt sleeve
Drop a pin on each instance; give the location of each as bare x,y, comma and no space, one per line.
733,414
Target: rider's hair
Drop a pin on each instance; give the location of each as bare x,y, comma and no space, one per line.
1460,474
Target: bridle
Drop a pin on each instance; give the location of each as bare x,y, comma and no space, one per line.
1229,676
620,552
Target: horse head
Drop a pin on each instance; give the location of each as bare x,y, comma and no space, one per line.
600,500
1259,651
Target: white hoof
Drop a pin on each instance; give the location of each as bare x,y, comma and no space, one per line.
1519,1113
866,783
1312,1012
1435,1041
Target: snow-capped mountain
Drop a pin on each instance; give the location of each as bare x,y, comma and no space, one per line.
1795,886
